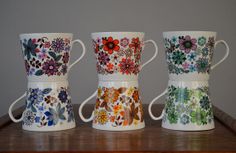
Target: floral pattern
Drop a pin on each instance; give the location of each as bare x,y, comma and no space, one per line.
47,107
187,106
118,107
46,57
186,54
118,55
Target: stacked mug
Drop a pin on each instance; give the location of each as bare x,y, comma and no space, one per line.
118,104
48,102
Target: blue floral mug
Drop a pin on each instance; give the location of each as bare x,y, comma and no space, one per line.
48,102
189,57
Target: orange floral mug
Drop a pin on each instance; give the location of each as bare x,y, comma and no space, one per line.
118,105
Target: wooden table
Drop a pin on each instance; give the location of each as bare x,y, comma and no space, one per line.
153,138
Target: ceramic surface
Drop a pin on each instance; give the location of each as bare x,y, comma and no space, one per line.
48,102
189,56
118,103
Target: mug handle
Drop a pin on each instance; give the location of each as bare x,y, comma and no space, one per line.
11,107
82,55
163,93
226,54
150,107
155,53
82,105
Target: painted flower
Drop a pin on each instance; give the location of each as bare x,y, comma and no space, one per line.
128,52
110,45
65,57
50,67
199,117
29,118
187,44
27,67
205,102
202,65
136,69
183,95
64,69
135,96
63,96
95,46
31,71
135,44
35,63
185,65
46,44
124,42
102,117
130,91
126,66
172,117
29,48
110,66
116,109
35,96
178,57
201,41
98,40
111,95
192,68
54,115
184,119
210,43
174,39
205,51
58,45
192,56
70,112
103,58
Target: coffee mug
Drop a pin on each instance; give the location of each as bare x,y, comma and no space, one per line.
189,56
118,105
48,102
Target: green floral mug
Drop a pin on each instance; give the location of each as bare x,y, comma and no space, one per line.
189,56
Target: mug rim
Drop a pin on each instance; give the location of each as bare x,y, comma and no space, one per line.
116,32
197,32
50,33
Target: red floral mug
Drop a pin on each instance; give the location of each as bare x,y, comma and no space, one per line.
118,105
48,102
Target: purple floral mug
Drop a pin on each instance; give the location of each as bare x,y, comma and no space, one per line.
118,106
48,102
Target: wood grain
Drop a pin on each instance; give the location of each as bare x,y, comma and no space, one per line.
84,138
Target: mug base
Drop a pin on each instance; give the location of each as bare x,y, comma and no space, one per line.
189,128
126,128
49,129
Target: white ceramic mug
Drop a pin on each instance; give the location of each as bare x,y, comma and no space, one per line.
118,105
48,102
189,56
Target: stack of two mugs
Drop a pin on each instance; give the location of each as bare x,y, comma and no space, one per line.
118,104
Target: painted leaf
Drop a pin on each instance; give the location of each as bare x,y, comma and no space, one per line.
122,90
47,91
53,55
39,72
58,57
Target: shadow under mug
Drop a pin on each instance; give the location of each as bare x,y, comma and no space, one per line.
48,102
189,56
